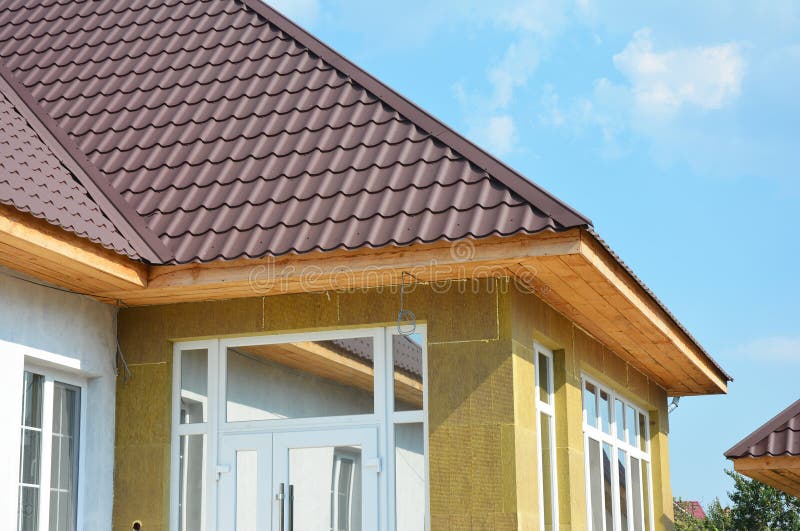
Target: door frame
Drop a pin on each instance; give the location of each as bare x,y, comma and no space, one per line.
383,418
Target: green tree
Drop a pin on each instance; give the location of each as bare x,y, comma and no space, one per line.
755,507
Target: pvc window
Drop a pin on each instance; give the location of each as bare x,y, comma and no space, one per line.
618,465
545,418
50,451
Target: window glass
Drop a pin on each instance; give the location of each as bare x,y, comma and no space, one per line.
605,412
30,452
408,378
194,386
646,493
608,493
619,420
630,418
623,489
590,403
192,482
409,459
300,380
64,458
636,493
595,484
545,386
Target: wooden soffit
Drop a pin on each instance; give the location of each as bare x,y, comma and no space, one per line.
571,270
781,472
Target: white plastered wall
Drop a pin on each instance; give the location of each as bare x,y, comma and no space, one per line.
75,334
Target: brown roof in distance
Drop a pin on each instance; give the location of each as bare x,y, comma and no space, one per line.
33,180
779,436
234,133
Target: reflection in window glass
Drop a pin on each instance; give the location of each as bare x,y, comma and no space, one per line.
619,420
605,412
30,452
595,484
192,482
636,494
608,493
646,493
590,403
407,363
623,489
545,386
194,386
64,460
409,455
300,380
630,418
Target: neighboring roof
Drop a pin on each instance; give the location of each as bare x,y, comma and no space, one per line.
780,436
33,180
233,132
693,508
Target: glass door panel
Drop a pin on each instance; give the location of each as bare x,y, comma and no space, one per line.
246,499
329,480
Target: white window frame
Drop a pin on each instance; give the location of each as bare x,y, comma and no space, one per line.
548,409
383,417
52,375
617,444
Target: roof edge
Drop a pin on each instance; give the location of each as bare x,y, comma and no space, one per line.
541,199
739,449
124,217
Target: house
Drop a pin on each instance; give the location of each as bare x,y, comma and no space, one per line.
310,304
771,454
692,508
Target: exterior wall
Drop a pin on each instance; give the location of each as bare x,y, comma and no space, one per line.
482,440
44,323
575,352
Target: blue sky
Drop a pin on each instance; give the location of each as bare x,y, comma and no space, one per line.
674,128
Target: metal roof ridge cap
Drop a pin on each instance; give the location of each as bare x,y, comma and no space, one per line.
124,217
763,431
522,186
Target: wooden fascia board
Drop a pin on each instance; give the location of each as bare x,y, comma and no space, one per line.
63,258
616,274
781,472
767,462
337,270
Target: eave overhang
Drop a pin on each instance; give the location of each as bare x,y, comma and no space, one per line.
573,271
781,472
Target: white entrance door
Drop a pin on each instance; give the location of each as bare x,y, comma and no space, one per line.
245,479
329,480
325,480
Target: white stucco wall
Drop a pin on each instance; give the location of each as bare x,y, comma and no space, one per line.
75,331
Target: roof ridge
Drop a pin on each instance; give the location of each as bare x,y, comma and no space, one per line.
538,197
743,447
111,203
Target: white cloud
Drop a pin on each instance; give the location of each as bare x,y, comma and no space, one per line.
778,349
498,134
515,68
304,12
708,77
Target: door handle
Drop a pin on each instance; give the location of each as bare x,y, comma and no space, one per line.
280,497
291,507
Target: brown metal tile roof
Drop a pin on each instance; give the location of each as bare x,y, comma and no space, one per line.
233,132
779,436
33,180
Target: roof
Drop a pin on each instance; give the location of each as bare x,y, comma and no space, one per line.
693,508
33,180
234,133
780,436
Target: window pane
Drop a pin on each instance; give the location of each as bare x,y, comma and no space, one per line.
300,380
545,386
194,386
605,412
28,512
595,485
590,404
32,400
646,494
607,484
64,458
408,378
636,494
31,456
623,489
545,422
642,433
409,453
630,417
246,490
619,420
191,484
